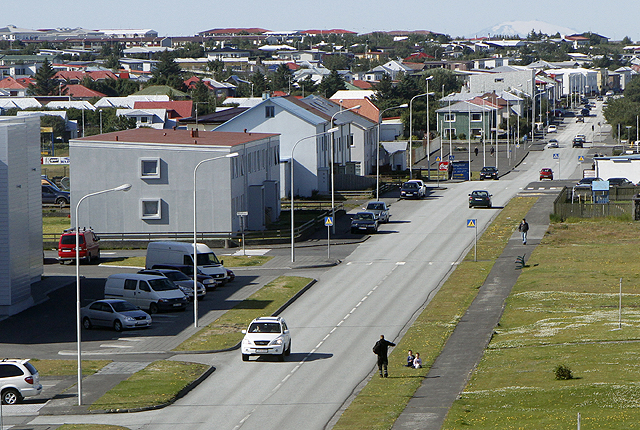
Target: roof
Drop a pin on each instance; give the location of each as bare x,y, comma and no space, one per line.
395,146
160,90
76,104
10,83
80,91
178,137
180,109
221,116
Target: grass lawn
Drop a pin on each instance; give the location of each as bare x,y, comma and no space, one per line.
67,367
381,401
564,310
226,331
55,224
158,383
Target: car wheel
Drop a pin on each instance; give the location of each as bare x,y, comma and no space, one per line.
86,323
11,396
281,356
353,231
88,258
153,308
470,206
61,201
287,352
117,325
98,257
245,357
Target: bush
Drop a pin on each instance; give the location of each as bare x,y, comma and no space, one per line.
563,372
555,218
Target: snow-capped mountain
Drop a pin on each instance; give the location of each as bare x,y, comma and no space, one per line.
522,29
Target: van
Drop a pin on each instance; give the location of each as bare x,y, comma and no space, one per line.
181,253
152,292
88,251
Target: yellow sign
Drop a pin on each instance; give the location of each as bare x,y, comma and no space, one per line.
46,129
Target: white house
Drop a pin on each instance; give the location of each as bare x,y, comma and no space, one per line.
153,118
128,102
20,212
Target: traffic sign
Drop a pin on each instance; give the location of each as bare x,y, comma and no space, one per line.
471,223
451,157
437,158
328,221
580,158
443,166
556,156
243,213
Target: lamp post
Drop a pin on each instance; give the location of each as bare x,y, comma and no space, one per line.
411,127
100,121
197,103
333,206
195,245
428,134
123,187
403,105
331,130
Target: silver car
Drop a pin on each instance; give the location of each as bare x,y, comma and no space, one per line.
379,209
115,313
18,379
181,280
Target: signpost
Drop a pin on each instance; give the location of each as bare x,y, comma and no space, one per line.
556,156
473,223
242,215
328,221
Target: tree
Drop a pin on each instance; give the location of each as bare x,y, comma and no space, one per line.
336,62
281,78
45,84
167,72
330,84
259,83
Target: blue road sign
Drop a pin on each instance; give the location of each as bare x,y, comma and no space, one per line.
580,158
451,157
438,158
328,221
556,156
471,223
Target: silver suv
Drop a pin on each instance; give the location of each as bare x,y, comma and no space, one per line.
18,379
266,336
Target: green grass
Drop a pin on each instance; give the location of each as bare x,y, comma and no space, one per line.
55,225
564,310
226,331
229,261
126,261
156,384
67,367
382,400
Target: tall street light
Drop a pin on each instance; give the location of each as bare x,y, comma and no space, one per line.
333,206
331,130
123,187
411,127
100,121
403,105
428,133
195,225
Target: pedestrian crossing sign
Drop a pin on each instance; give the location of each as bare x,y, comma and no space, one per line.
328,221
580,158
471,223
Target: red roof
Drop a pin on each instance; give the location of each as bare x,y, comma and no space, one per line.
10,83
175,109
234,31
363,85
193,81
332,31
179,137
79,91
78,76
418,55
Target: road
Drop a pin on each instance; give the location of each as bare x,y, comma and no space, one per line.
377,290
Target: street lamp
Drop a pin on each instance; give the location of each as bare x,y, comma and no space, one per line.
403,105
123,187
100,121
331,130
411,127
195,250
333,206
428,133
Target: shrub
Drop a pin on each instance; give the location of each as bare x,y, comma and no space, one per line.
555,218
563,372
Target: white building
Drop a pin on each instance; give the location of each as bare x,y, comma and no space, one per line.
20,212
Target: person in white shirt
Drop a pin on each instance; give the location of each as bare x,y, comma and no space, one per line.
417,362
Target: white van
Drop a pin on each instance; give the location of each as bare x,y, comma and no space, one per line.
181,253
152,292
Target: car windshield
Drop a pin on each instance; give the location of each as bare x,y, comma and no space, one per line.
70,239
176,276
123,307
488,169
163,284
264,328
375,206
207,259
410,185
363,216
481,193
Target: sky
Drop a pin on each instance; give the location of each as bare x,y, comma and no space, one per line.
614,20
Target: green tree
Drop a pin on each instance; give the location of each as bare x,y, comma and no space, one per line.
336,62
330,84
167,72
45,84
259,83
281,78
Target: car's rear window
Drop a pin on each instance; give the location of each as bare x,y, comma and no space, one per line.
30,368
70,239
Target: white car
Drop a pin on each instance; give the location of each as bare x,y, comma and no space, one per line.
18,379
266,336
553,143
552,129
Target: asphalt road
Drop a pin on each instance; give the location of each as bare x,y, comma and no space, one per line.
378,289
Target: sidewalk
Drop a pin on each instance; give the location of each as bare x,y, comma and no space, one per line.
461,354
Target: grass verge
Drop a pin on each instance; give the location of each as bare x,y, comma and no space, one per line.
67,367
226,331
381,401
158,383
564,310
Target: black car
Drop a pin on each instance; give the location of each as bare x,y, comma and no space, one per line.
411,190
51,194
488,173
578,142
364,222
480,198
617,182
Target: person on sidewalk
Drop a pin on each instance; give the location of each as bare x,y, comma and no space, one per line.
475,151
380,349
523,228
410,359
417,362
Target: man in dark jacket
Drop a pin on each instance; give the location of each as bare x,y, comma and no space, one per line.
380,349
524,228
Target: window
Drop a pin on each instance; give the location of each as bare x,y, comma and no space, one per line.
449,117
499,80
150,168
151,208
9,370
130,284
476,117
144,119
269,111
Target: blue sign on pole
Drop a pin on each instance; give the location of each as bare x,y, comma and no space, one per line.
328,221
556,156
451,157
471,223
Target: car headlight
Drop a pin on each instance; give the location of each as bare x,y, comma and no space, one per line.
129,319
277,341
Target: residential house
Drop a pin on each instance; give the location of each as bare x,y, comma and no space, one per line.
475,117
159,164
129,101
210,121
149,118
391,68
80,92
20,212
227,52
70,126
176,109
14,87
19,103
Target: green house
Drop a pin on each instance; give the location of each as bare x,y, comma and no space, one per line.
466,118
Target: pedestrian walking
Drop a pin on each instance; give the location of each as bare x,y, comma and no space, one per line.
380,349
492,150
410,359
523,228
417,361
475,151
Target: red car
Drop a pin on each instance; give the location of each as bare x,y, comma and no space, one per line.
546,174
89,247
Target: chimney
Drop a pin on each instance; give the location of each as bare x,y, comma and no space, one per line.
116,137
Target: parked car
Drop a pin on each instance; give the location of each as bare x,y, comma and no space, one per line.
379,209
580,119
183,282
421,184
266,336
546,173
169,252
209,282
88,251
18,379
488,172
586,182
114,313
152,292
55,195
364,222
553,143
577,142
618,182
552,129
480,198
411,190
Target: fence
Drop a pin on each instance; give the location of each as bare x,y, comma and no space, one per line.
578,203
